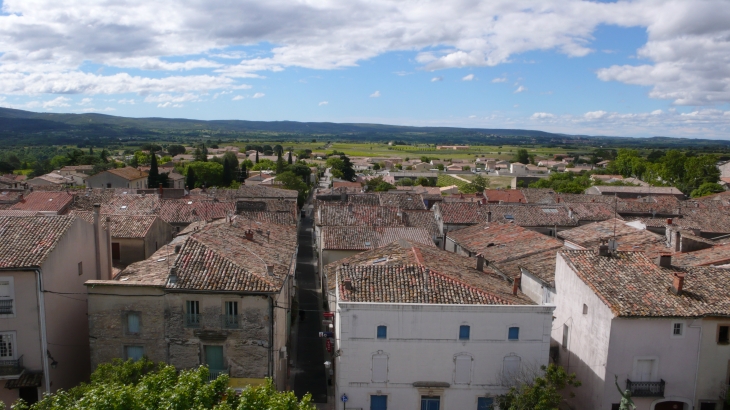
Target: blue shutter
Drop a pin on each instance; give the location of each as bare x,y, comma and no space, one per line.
485,403
135,352
430,402
382,332
464,332
378,402
514,333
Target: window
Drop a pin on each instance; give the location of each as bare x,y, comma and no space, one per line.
380,368
585,309
133,352
462,372
430,402
7,346
707,406
192,313
616,406
464,332
382,332
514,333
230,315
6,296
723,335
378,402
214,358
566,331
485,403
677,329
644,370
132,323
81,268
511,369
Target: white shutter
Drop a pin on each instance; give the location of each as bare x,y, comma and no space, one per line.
643,370
462,375
380,369
5,289
511,369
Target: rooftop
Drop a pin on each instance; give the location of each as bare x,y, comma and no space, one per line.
26,241
628,237
717,255
505,195
128,173
44,201
123,226
370,237
632,285
653,190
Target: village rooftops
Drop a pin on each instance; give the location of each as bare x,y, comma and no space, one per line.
26,241
628,237
402,200
640,190
717,255
340,214
128,173
471,213
504,195
370,237
58,201
123,226
633,285
456,276
257,191
503,242
540,265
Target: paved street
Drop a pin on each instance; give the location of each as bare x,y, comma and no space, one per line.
309,372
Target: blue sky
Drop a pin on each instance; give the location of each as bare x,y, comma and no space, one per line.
632,68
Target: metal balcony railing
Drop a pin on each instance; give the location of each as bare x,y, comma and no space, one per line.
192,320
231,321
214,373
646,389
6,306
11,367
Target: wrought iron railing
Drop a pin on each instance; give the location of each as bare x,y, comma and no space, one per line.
646,389
11,367
6,306
231,321
214,373
192,319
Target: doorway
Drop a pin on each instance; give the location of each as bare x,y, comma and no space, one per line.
28,394
116,254
669,405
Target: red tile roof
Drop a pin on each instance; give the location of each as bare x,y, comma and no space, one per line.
123,226
628,238
370,237
128,173
505,195
44,201
717,255
27,241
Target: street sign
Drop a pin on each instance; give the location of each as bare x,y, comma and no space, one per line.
328,314
326,334
329,345
344,398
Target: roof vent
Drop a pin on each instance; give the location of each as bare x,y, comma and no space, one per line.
249,235
664,261
603,250
348,284
270,270
177,248
516,285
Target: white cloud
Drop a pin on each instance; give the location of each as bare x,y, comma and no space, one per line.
500,80
162,98
468,77
238,98
594,115
437,79
402,73
375,94
57,102
129,101
472,116
169,104
542,116
520,89
92,109
84,101
258,95
321,103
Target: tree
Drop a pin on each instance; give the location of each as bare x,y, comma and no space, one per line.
227,168
154,173
257,157
280,164
378,185
477,185
278,149
201,153
244,171
405,182
376,166
208,173
423,181
708,188
174,150
190,178
104,156
289,161
145,385
522,156
290,180
540,393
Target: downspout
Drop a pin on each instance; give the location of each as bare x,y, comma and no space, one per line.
697,368
271,338
44,340
97,245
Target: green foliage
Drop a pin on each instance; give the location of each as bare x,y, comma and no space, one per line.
290,180
542,393
564,182
422,181
143,385
190,178
522,156
708,188
376,166
405,182
266,164
154,173
207,173
378,185
478,184
201,153
175,149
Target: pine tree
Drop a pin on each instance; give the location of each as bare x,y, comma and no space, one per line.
190,180
91,150
280,166
154,173
257,157
289,160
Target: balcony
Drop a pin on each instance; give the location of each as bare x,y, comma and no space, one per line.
11,367
231,321
214,373
6,306
646,389
192,320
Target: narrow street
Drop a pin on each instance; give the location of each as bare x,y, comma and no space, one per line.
309,371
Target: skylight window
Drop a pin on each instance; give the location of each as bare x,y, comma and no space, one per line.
550,210
379,260
190,202
124,206
508,216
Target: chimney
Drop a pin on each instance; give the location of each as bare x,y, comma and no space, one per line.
160,190
249,235
177,248
480,262
21,198
97,240
489,216
348,284
516,285
343,197
603,249
669,221
677,283
108,238
558,199
664,261
570,213
677,241
172,278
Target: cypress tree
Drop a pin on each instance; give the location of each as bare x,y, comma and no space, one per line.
280,164
257,156
289,160
190,180
154,173
227,172
244,171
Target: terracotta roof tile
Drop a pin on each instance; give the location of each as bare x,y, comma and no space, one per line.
370,237
27,241
717,255
44,201
123,226
628,237
506,195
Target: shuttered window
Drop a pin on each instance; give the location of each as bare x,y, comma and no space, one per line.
462,374
511,369
132,323
134,352
380,368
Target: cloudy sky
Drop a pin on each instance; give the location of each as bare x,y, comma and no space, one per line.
628,68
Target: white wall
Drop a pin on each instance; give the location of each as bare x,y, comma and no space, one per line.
422,344
712,379
535,289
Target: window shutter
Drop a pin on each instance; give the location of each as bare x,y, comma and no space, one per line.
511,368
5,289
132,323
463,370
380,369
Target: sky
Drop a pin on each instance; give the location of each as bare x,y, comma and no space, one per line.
629,68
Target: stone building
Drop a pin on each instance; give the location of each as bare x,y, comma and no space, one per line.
219,294
127,177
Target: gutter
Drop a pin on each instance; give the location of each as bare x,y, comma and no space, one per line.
271,337
44,339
